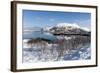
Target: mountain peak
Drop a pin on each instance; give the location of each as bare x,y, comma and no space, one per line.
74,25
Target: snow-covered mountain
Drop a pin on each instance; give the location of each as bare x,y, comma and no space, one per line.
68,28
74,25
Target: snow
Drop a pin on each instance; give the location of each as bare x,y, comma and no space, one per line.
65,37
25,45
81,54
74,25
86,29
34,54
47,28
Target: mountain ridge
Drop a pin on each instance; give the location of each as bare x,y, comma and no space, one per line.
67,28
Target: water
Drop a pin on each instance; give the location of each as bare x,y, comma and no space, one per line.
38,34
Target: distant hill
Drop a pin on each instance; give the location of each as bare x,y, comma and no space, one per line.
66,28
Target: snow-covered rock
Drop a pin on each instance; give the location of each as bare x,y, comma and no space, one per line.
67,27
73,25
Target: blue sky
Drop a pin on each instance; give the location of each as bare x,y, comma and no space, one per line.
50,18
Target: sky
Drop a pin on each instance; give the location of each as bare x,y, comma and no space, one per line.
33,18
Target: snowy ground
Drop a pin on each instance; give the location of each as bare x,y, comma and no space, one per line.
35,55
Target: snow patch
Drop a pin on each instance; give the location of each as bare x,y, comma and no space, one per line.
74,25
86,29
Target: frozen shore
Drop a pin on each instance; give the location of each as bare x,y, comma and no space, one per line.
35,55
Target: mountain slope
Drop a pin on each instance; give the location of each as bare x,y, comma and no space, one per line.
67,28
